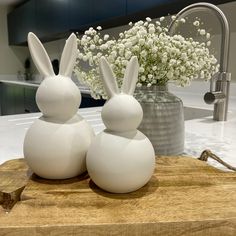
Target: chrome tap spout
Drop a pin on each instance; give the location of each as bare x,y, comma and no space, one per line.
219,97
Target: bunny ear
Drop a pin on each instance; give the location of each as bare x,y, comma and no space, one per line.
68,57
39,55
131,76
108,78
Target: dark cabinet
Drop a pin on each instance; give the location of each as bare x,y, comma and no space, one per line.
52,18
20,22
47,18
80,15
7,100
86,13
88,101
30,104
107,9
140,5
17,99
12,99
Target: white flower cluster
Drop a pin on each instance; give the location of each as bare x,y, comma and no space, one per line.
161,57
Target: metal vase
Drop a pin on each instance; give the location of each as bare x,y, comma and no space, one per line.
163,119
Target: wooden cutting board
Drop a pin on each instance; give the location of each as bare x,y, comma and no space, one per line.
185,197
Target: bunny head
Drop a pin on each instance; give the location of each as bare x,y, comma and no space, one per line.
57,96
122,112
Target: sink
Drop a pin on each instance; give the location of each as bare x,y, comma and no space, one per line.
191,113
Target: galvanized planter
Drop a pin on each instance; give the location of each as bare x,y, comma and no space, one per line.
163,119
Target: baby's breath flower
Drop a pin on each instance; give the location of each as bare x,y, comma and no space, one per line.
92,46
208,43
169,75
128,44
106,37
128,54
141,41
85,58
80,55
143,53
141,69
143,78
161,57
162,18
151,30
136,48
202,32
196,23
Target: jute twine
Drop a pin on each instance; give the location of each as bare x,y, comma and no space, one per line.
207,153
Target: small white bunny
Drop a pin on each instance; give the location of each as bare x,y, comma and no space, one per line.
121,159
56,144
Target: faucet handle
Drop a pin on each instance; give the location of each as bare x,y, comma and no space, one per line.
214,97
224,76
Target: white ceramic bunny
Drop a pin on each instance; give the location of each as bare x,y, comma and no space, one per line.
56,144
120,159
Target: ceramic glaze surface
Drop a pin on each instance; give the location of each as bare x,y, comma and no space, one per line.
57,150
122,113
58,97
121,163
56,145
121,159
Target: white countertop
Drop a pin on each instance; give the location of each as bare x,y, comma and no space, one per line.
202,133
14,127
36,83
22,82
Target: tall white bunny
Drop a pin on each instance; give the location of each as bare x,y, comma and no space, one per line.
120,159
56,144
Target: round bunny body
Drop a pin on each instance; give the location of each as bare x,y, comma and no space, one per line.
122,113
120,162
57,150
58,96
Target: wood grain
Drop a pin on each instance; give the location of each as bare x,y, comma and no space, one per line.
185,197
14,175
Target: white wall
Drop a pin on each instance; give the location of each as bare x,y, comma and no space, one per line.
11,58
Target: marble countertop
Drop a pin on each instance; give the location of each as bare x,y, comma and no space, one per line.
22,82
200,134
36,83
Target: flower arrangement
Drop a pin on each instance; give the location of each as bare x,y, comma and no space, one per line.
161,57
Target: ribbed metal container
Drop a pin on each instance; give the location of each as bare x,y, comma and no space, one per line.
163,119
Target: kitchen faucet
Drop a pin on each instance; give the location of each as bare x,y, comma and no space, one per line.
220,95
